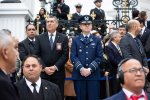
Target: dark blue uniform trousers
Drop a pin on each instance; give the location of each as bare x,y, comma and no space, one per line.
87,89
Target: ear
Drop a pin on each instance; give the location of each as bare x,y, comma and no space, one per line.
5,53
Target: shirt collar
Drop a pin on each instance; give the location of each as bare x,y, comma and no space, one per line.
54,34
87,35
31,39
129,93
132,35
114,43
38,82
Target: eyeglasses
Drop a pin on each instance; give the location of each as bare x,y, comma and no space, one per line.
31,29
135,70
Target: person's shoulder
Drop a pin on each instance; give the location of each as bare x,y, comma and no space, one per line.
117,96
50,84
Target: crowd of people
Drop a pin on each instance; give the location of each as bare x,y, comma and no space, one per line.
53,66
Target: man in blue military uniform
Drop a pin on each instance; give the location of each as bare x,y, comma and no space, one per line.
86,55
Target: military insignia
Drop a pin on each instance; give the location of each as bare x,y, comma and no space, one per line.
86,18
58,46
93,44
91,40
80,50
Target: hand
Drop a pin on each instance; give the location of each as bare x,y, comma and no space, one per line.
50,70
85,72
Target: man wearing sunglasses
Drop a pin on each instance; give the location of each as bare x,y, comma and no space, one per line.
27,46
86,56
131,74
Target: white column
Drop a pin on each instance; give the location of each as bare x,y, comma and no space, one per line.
14,16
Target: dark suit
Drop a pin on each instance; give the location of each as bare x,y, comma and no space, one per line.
114,58
87,54
121,96
130,49
25,48
53,57
148,24
50,90
7,90
145,36
76,16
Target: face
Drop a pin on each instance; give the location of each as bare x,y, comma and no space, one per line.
98,4
117,38
86,28
42,12
11,56
78,10
51,25
32,69
31,31
122,31
133,81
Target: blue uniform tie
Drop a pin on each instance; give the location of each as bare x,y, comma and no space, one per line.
51,41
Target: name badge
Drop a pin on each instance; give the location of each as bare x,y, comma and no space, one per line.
58,46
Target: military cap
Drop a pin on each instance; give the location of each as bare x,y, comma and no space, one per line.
97,1
78,5
85,19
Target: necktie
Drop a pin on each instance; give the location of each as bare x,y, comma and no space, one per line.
32,47
136,97
35,94
86,37
51,41
138,44
119,50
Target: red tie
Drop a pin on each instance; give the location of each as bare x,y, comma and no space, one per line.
136,97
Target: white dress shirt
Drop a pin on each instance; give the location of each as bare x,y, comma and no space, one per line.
129,94
38,85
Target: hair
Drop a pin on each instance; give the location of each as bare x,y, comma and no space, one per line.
142,14
7,31
5,39
33,56
122,26
44,11
28,25
135,13
113,34
141,20
51,16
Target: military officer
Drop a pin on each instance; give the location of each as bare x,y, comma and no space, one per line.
99,13
86,55
77,15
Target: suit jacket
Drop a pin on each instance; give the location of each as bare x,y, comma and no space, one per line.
100,14
130,49
145,36
147,47
56,56
25,49
7,90
114,56
75,16
148,24
50,90
88,54
121,96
